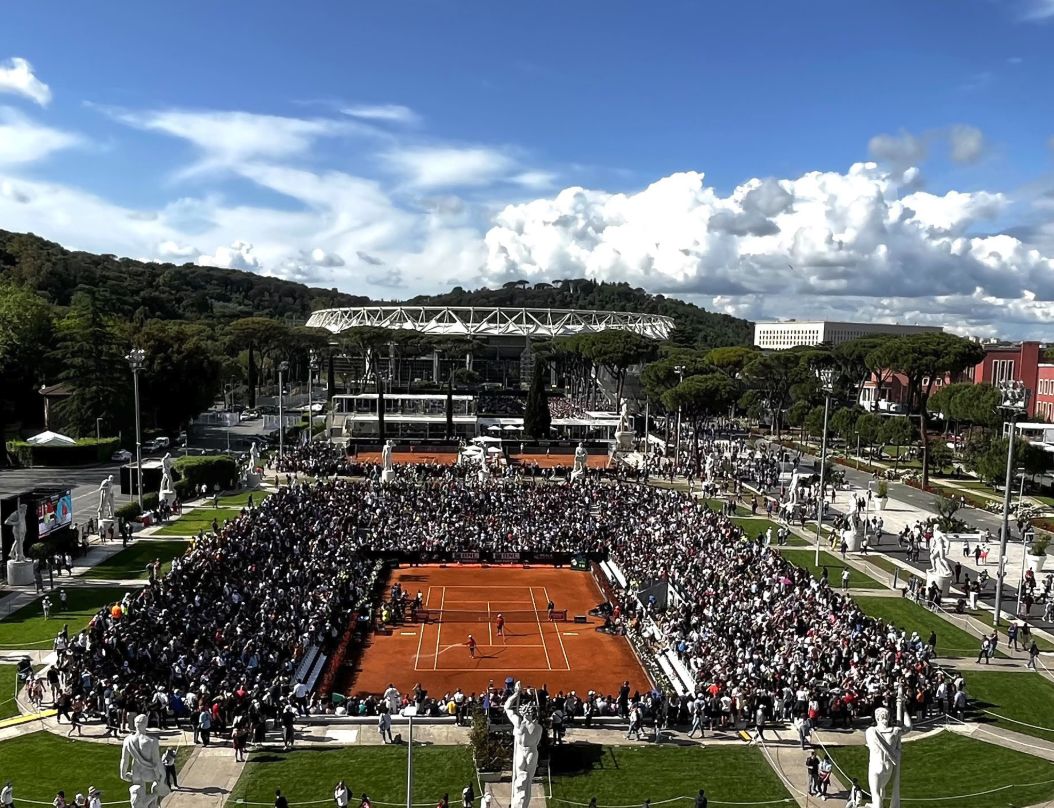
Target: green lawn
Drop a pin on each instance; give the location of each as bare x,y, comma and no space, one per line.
625,775
131,562
27,628
901,612
804,558
1026,697
242,498
949,765
987,617
309,774
41,763
8,678
192,522
882,562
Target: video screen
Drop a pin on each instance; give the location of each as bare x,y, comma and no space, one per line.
54,512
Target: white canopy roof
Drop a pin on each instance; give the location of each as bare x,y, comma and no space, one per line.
50,438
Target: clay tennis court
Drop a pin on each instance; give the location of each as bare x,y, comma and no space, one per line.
562,655
594,461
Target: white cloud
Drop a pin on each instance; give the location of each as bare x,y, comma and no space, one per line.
321,258
829,244
23,141
386,113
901,150
535,180
967,143
431,167
173,249
227,139
1038,10
17,77
239,255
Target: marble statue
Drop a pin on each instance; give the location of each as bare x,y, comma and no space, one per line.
254,457
581,462
884,746
17,522
625,423
166,472
106,499
141,766
526,734
792,489
939,554
709,467
386,457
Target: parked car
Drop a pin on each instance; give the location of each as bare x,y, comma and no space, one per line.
151,445
163,442
121,456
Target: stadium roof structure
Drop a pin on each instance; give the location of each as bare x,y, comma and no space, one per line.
489,321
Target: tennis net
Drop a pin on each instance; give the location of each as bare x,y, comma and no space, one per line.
480,616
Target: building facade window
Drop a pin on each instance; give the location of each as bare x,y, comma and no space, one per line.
1002,371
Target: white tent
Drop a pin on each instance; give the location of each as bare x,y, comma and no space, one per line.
486,439
494,427
50,438
513,428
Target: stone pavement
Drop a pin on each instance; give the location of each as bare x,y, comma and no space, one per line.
207,779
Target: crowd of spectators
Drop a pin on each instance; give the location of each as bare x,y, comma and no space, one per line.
218,640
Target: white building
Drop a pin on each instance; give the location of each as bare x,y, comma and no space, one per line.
784,334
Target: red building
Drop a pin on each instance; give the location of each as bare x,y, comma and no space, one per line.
1003,362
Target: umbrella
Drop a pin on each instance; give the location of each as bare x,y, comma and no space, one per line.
493,450
486,439
512,428
494,427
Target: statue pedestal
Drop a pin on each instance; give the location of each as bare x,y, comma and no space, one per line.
19,573
105,525
483,474
253,479
388,476
944,582
166,495
576,473
853,540
624,441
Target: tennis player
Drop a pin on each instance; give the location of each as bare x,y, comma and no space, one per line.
499,626
471,646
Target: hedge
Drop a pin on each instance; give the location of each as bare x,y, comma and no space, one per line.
209,470
86,452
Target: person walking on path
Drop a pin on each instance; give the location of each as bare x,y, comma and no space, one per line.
812,766
700,799
1033,654
468,796
986,648
279,799
384,727
168,760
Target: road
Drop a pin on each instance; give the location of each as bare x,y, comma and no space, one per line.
84,482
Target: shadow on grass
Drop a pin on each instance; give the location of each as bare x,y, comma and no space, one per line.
579,757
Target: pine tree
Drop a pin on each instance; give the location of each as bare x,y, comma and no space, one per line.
536,418
93,365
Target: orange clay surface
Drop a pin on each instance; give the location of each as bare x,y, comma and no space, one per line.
595,461
561,655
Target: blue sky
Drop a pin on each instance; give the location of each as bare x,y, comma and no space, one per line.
392,148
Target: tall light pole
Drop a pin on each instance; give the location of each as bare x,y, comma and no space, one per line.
98,428
1013,401
826,379
409,712
135,358
314,369
282,368
679,370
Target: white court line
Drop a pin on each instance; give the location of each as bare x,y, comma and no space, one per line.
490,630
567,662
439,632
420,639
540,632
483,586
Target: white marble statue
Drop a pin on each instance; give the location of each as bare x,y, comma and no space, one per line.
581,462
141,766
17,522
625,423
939,554
526,734
709,467
166,472
884,746
254,457
106,499
792,489
386,457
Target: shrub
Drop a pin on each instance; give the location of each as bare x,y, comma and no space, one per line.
128,511
37,550
1039,545
883,489
86,452
208,470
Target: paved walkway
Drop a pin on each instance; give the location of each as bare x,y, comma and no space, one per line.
207,779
